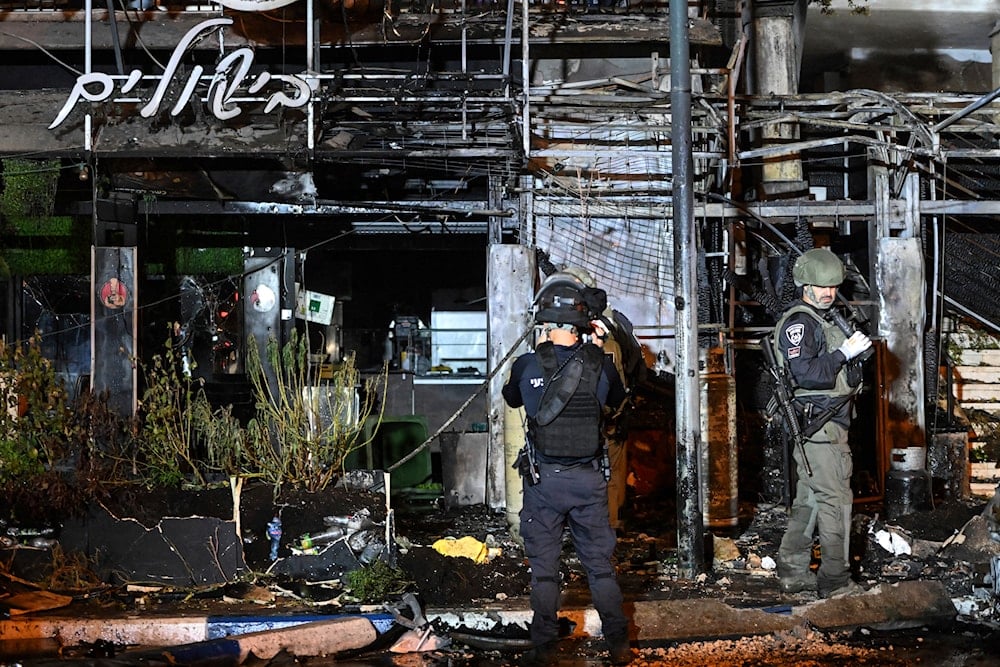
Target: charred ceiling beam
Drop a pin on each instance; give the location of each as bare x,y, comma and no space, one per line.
470,215
414,130
462,212
159,31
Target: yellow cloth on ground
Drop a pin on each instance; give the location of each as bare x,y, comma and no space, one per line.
468,547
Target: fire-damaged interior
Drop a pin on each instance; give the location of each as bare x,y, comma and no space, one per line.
408,162
217,161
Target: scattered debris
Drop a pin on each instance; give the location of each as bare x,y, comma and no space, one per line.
420,635
954,543
34,601
893,542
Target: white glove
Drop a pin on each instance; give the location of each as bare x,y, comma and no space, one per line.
855,345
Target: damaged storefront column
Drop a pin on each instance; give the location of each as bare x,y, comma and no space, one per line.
511,275
113,304
269,301
776,73
899,283
995,51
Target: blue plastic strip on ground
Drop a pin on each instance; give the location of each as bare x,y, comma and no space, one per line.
779,609
216,652
218,627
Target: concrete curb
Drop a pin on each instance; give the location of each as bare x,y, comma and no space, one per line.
163,630
905,604
890,606
307,639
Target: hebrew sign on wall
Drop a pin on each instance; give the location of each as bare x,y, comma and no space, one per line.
230,80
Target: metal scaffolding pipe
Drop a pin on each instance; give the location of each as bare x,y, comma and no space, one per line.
690,546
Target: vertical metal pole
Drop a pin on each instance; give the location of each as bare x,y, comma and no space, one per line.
310,28
310,71
508,32
465,64
115,40
690,547
525,82
87,65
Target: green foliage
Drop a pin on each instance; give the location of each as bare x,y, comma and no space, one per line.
223,437
303,430
169,406
856,6
38,242
302,433
73,260
183,436
36,420
987,430
29,187
978,339
376,581
55,454
968,338
61,225
207,261
953,350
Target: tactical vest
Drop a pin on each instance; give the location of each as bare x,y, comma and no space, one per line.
833,338
574,428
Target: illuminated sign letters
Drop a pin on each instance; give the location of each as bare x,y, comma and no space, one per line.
232,74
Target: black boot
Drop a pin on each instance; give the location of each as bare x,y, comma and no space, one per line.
541,655
619,649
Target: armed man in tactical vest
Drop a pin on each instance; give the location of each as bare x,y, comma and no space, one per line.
824,363
621,344
563,386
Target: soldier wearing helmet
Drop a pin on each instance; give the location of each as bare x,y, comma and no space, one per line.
626,351
825,366
562,386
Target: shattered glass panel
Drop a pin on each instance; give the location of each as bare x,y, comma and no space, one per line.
58,307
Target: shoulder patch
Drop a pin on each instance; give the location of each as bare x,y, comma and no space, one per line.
794,333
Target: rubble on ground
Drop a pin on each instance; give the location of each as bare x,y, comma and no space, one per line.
956,543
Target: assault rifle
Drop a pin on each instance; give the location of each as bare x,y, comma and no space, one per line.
783,398
525,463
845,328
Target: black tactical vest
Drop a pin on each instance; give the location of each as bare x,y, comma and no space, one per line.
570,424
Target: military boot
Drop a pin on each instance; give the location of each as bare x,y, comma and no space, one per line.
796,583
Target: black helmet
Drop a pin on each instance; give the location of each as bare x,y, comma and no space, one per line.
564,299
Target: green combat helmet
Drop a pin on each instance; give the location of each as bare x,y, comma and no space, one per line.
819,267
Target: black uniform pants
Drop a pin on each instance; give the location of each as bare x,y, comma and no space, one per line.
577,497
